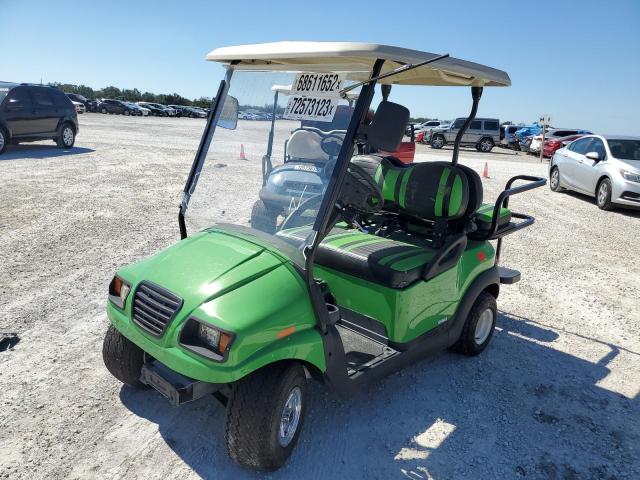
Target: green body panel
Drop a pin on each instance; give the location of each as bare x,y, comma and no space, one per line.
485,212
237,285
413,311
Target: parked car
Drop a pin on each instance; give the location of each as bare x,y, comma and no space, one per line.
552,145
191,112
417,127
153,110
108,105
604,167
138,110
76,97
483,133
552,134
34,112
94,106
79,106
507,135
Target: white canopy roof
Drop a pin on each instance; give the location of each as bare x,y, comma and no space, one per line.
357,59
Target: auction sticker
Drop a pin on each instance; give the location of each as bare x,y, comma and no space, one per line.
317,84
311,108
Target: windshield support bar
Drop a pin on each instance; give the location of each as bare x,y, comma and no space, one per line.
404,68
476,93
203,149
267,164
327,210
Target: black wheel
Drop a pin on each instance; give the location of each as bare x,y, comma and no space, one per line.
478,328
122,357
437,141
264,218
4,140
485,145
67,136
603,195
127,112
554,180
265,412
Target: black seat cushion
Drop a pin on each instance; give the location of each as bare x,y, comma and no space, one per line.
428,190
389,262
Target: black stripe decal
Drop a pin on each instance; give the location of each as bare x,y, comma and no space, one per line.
396,188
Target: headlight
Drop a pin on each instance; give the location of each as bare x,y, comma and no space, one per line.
205,339
118,291
630,176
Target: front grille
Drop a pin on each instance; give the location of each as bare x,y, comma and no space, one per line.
154,307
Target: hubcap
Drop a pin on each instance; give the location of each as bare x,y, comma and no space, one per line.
602,193
437,142
67,136
555,178
483,327
1,140
290,417
486,145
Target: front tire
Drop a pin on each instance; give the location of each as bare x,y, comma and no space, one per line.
67,136
437,142
479,326
4,140
103,110
122,357
265,412
264,218
603,195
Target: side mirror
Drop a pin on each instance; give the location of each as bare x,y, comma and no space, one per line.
229,115
595,156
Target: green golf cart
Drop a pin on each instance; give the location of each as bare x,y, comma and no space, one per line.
386,264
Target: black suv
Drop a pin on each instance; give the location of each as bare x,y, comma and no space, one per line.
29,113
116,106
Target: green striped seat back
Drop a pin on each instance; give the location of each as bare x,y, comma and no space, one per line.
429,190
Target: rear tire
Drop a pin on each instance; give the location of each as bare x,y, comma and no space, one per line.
603,195
67,136
265,413
485,145
554,180
479,326
264,218
103,110
437,141
123,358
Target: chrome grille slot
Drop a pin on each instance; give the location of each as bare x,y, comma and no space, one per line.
154,307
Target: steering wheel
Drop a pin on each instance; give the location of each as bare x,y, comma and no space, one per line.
360,192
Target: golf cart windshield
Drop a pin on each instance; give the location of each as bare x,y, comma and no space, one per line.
279,157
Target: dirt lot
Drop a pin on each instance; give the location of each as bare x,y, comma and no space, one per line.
556,396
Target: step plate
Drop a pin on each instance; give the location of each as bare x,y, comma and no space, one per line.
362,352
508,276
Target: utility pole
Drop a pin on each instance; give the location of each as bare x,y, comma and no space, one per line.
545,120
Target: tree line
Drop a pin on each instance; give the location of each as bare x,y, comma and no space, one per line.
132,95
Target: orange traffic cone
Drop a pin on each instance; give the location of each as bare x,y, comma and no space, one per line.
485,172
242,155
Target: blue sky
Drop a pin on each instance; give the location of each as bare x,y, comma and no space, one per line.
578,61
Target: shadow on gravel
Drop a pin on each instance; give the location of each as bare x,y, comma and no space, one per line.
627,212
521,409
494,151
39,152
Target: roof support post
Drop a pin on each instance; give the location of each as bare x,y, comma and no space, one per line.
476,93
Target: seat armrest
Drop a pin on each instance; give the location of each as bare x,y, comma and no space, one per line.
446,257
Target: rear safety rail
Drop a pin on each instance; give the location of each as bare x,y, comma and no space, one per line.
496,232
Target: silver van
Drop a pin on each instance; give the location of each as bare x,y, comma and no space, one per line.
483,133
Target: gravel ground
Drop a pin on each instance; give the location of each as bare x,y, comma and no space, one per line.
556,396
